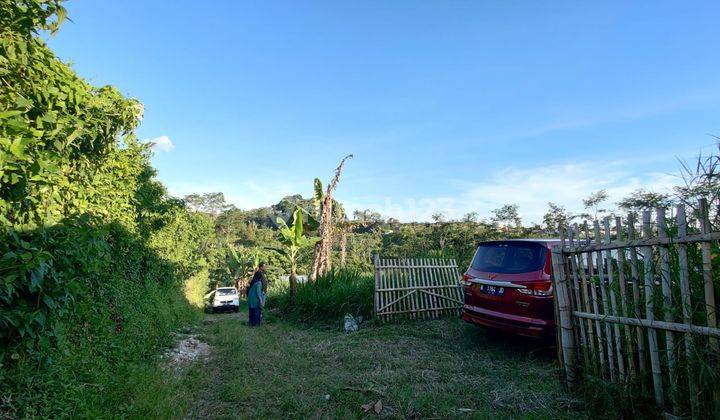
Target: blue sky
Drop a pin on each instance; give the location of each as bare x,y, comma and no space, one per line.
448,106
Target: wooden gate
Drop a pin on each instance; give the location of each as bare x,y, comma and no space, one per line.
639,308
416,288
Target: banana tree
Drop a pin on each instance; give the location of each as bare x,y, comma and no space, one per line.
293,239
240,267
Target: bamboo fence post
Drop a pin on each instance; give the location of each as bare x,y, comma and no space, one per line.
707,272
386,282
613,300
412,284
405,276
433,278
392,281
426,282
595,306
376,295
666,284
408,277
635,277
576,293
441,277
402,283
410,273
458,286
624,310
685,295
556,312
605,303
431,300
565,312
649,313
710,307
389,296
586,304
431,313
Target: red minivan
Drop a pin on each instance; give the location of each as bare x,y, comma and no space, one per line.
508,287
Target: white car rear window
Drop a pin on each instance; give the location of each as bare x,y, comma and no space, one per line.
226,292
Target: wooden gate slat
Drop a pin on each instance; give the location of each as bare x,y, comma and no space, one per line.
416,288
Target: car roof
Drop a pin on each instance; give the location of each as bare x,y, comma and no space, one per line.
225,288
547,241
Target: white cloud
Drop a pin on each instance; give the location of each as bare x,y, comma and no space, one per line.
162,143
565,184
245,194
530,188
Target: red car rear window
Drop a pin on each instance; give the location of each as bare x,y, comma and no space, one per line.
509,257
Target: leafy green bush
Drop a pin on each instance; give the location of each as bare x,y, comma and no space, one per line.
93,252
329,298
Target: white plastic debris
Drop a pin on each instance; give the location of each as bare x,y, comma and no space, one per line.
350,324
187,350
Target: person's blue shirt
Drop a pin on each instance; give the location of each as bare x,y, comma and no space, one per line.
255,296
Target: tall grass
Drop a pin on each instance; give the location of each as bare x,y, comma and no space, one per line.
329,298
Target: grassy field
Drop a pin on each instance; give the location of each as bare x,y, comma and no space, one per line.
433,369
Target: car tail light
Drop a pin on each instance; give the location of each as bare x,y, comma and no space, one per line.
537,288
466,279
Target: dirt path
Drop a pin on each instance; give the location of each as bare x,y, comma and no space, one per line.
431,369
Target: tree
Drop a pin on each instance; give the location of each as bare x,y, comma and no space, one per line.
211,203
293,239
593,202
555,217
642,199
471,217
367,216
507,217
324,206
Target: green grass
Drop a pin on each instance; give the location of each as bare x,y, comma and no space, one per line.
328,299
442,368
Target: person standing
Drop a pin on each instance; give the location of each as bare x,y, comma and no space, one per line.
256,295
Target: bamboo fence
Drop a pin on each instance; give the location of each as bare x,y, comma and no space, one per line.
641,311
416,288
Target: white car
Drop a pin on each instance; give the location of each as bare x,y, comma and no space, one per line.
225,298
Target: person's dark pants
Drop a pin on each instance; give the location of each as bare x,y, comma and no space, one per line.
255,316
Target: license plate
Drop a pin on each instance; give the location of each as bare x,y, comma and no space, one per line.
492,290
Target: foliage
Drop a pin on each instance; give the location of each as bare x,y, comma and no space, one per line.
593,202
294,241
93,253
555,217
210,203
28,16
327,220
642,199
329,298
701,180
507,216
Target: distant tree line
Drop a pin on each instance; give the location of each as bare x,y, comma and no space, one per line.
367,232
